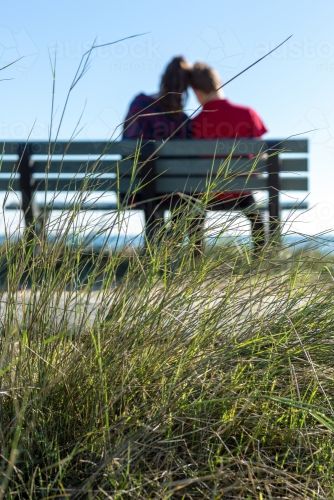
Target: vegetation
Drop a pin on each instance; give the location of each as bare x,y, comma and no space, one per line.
192,377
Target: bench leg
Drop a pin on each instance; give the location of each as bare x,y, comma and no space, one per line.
258,230
273,192
26,188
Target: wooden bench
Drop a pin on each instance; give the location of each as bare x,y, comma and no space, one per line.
153,170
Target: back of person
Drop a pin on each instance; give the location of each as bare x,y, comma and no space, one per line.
221,119
158,117
161,116
148,119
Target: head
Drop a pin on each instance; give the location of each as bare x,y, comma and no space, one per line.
174,84
205,82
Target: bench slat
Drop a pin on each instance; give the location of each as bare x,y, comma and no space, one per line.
197,166
8,166
289,145
107,207
113,207
194,166
206,167
9,147
168,184
164,185
189,185
85,148
294,165
297,205
172,167
83,184
80,166
224,147
169,148
11,184
58,205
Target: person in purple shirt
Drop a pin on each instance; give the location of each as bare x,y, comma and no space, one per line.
159,117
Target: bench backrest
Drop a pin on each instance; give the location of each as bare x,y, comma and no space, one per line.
175,166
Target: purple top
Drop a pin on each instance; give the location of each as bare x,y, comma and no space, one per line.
146,119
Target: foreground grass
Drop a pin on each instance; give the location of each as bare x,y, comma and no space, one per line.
209,378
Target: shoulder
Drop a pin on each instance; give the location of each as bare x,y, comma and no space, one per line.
141,101
257,124
247,110
239,107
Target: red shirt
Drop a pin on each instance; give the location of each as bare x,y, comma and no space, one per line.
221,119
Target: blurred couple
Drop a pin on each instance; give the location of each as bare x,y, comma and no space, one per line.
161,116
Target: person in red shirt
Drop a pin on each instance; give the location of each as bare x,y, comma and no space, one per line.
222,119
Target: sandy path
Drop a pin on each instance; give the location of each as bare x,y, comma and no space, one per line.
73,309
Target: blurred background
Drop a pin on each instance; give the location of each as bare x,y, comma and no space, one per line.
292,89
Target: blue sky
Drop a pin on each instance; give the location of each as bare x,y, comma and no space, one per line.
292,90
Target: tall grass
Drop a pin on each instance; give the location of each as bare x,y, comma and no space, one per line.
192,376
203,377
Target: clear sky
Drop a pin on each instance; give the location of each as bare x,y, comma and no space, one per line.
292,90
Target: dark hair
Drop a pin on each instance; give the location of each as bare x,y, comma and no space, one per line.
204,78
174,84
